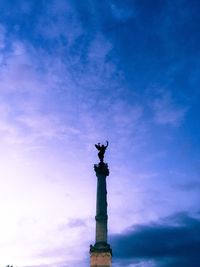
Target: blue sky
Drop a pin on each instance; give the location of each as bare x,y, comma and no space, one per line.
74,73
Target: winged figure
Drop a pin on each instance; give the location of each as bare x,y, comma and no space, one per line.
102,150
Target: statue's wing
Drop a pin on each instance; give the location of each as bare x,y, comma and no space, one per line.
97,147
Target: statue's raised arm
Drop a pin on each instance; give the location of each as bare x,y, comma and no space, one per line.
102,150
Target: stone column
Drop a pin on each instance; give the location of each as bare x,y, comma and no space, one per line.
101,253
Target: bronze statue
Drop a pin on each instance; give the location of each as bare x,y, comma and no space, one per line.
102,150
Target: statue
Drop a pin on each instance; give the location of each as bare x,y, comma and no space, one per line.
102,150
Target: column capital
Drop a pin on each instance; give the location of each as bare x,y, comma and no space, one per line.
101,169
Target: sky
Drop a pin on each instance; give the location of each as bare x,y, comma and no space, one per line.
74,73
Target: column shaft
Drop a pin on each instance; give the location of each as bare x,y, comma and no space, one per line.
101,210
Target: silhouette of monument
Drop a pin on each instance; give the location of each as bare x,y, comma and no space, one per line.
101,253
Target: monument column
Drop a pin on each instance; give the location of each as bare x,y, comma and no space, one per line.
101,253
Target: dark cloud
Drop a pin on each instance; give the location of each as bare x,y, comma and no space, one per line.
172,241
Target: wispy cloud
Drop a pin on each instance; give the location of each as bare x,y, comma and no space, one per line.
120,11
166,111
62,24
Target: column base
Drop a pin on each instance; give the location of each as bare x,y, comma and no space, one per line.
100,255
100,259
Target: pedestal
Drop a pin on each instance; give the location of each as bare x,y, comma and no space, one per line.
100,260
